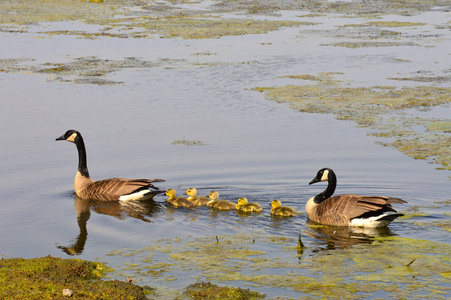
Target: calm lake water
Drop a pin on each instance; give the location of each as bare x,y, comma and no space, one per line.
202,91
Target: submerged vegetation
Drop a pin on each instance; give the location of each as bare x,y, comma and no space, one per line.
186,142
207,290
396,267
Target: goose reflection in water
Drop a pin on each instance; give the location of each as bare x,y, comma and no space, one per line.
141,210
341,237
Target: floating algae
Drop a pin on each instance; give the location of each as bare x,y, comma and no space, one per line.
367,106
186,142
207,290
400,267
145,19
81,70
135,19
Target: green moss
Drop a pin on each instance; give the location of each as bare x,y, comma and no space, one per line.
46,277
207,290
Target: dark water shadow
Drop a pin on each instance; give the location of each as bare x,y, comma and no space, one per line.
336,237
141,210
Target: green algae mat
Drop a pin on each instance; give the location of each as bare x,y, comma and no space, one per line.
386,267
379,108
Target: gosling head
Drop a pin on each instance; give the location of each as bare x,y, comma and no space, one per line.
242,201
70,136
191,192
276,203
170,193
322,175
214,195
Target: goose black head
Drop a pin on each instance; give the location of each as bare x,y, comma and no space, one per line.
70,136
322,175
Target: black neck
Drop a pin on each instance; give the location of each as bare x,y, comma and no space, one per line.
329,191
82,161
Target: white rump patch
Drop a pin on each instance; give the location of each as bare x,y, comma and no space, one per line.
134,196
325,176
372,222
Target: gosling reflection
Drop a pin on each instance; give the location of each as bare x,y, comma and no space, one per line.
141,210
341,237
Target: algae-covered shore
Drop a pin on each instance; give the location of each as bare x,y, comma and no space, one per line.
419,267
55,278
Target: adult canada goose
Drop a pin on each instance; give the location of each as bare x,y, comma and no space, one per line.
349,210
178,201
199,200
112,189
219,204
281,211
245,206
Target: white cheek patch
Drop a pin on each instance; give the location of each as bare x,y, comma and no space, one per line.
72,138
325,176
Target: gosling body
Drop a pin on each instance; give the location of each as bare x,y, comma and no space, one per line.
216,203
349,209
111,189
245,206
178,201
198,200
281,211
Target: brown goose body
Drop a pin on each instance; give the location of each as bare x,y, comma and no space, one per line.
111,189
350,209
219,204
199,200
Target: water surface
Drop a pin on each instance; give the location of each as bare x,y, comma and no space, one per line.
197,90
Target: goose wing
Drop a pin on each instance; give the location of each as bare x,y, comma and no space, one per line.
339,210
112,188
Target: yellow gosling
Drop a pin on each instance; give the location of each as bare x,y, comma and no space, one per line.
178,201
282,211
219,204
198,200
245,206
